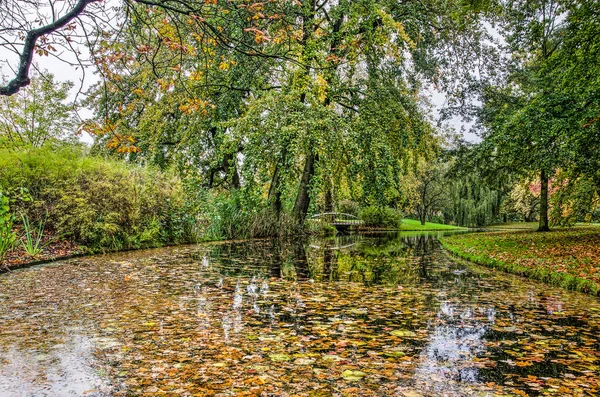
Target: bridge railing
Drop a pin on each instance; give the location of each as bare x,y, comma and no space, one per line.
337,218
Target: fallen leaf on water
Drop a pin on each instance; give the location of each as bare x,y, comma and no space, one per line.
403,333
353,375
279,357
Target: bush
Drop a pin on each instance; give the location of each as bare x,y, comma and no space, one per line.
348,207
380,217
8,238
100,203
437,219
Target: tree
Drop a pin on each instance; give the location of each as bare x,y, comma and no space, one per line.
524,200
279,115
284,101
524,116
544,116
38,113
573,73
62,27
431,190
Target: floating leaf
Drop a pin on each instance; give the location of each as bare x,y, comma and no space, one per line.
304,361
279,357
403,333
394,354
353,375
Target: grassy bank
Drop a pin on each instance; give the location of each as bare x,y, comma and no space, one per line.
530,226
413,225
569,258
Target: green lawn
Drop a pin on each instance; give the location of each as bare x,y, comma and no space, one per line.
566,257
413,225
530,226
515,226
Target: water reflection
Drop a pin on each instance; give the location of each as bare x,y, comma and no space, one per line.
372,315
64,369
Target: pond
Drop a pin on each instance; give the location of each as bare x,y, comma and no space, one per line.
368,315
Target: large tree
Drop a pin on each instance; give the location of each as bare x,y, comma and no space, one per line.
524,116
63,28
321,95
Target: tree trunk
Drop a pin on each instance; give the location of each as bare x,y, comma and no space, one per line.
543,225
328,207
275,192
422,215
229,161
303,198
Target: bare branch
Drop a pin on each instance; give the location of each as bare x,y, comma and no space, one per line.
26,56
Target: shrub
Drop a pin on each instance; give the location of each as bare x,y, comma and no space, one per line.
380,217
8,237
100,203
348,207
437,219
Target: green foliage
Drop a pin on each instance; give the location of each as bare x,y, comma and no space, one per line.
240,215
522,202
431,190
472,201
39,113
542,115
574,201
349,112
375,216
348,207
8,237
99,203
226,218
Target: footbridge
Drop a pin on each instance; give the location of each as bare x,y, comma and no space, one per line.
339,220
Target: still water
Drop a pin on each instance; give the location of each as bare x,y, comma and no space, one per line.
379,315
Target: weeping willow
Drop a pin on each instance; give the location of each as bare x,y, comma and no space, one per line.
473,204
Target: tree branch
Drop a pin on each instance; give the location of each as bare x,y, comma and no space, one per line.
26,57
